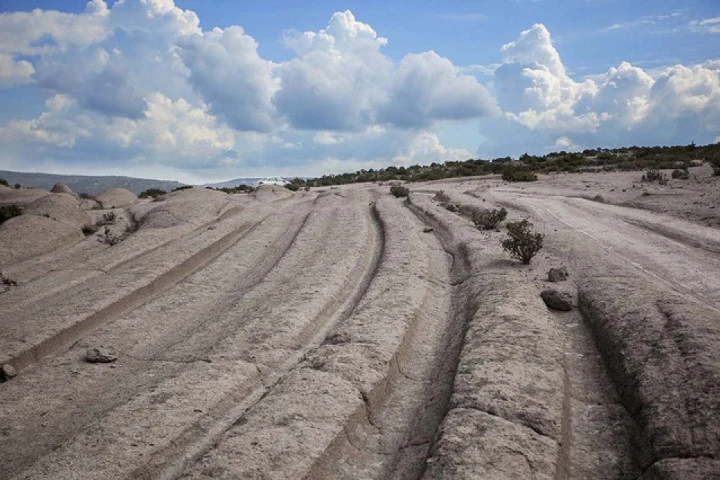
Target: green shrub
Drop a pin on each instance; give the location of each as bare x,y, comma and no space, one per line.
183,187
512,173
398,190
9,211
680,174
654,176
714,161
522,243
486,219
18,186
85,195
293,187
152,193
4,182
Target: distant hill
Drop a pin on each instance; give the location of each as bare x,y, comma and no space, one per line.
86,184
232,183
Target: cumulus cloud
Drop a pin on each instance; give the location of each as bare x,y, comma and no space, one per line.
425,148
427,87
624,105
337,79
227,71
14,72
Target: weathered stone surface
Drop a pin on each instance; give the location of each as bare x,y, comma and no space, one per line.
683,469
7,372
61,188
557,299
500,449
100,355
558,274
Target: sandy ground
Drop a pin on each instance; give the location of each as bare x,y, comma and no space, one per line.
344,333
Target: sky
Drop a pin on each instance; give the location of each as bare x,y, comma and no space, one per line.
200,91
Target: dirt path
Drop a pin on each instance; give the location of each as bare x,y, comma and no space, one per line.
345,333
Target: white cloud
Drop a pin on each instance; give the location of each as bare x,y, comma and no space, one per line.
227,71
337,79
626,104
708,25
14,72
427,87
425,148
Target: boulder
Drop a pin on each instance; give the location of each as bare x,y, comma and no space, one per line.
558,274
557,299
61,188
116,198
100,355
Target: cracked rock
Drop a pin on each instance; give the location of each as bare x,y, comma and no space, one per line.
558,274
557,300
99,355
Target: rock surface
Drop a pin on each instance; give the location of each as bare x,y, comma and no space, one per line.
100,355
558,274
558,299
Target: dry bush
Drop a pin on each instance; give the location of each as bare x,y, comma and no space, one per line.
654,176
398,190
522,243
486,219
442,197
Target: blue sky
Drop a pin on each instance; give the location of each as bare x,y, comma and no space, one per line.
197,91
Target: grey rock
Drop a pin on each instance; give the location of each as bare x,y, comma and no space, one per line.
7,372
99,355
558,274
557,300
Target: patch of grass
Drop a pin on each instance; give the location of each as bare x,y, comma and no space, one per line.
399,191
486,219
9,211
522,243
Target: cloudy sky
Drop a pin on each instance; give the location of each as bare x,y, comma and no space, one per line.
199,90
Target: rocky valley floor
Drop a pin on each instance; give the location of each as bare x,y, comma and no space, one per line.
345,333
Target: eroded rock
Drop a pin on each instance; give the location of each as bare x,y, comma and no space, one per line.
100,355
558,274
557,299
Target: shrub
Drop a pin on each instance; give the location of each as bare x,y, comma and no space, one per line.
152,193
467,210
9,211
654,176
715,164
4,182
398,190
85,195
487,219
293,187
522,243
183,187
442,197
18,186
452,207
512,173
680,174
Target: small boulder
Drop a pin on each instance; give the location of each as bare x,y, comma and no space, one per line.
7,372
557,299
558,274
100,355
61,188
